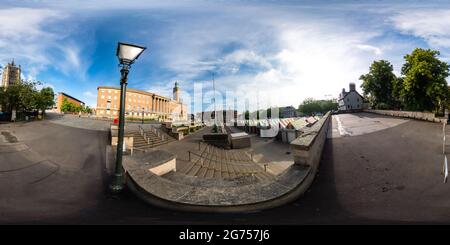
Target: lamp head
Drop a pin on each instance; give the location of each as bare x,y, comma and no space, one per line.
128,53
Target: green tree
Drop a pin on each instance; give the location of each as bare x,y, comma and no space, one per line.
66,106
397,93
44,99
424,84
378,84
20,96
310,106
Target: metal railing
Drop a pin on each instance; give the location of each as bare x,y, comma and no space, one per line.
158,133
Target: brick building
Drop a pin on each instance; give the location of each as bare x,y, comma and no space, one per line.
70,99
140,104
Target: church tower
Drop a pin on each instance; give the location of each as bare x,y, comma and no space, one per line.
176,92
11,75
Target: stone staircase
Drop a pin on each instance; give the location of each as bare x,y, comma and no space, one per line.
153,140
214,162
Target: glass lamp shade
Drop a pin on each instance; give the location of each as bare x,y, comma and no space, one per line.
128,53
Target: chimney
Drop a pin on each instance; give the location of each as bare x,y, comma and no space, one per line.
352,87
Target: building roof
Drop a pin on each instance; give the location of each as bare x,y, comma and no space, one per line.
66,95
347,93
134,91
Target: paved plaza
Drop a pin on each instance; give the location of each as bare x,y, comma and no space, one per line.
50,173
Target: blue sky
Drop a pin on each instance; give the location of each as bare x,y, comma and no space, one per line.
283,50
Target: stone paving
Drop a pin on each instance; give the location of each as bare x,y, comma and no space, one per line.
79,122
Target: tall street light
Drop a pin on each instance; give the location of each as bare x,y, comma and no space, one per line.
127,54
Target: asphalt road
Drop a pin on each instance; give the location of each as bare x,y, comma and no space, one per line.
378,171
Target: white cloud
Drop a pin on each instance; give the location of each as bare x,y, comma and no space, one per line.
89,94
370,48
30,37
433,25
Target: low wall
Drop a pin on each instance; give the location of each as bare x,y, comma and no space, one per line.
307,148
425,116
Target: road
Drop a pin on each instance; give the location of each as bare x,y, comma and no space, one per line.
379,170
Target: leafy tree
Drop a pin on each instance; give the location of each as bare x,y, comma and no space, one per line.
66,106
397,92
424,84
44,99
20,96
310,106
378,84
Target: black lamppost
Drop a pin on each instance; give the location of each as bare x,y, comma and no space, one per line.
127,54
142,115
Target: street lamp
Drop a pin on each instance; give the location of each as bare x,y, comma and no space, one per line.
127,54
142,115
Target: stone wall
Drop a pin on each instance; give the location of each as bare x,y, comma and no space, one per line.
426,116
307,148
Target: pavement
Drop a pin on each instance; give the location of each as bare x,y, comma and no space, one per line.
361,123
384,171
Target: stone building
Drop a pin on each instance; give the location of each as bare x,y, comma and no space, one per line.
351,100
140,104
11,74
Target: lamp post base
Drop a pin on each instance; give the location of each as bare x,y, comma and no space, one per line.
117,185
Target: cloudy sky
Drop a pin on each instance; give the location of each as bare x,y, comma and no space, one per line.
283,50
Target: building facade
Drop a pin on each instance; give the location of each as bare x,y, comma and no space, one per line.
140,104
11,74
70,99
351,100
288,112
223,116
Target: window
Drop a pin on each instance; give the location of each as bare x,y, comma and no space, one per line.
357,99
